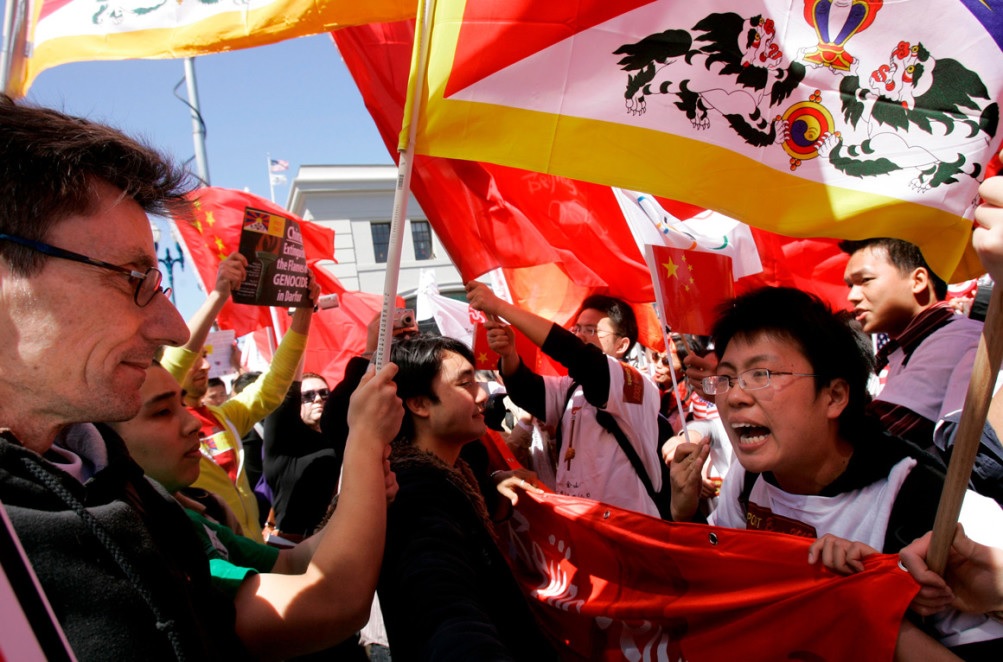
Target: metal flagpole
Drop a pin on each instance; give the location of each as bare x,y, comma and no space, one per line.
198,126
404,168
13,40
271,180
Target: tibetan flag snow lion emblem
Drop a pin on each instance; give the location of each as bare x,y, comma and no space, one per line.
820,118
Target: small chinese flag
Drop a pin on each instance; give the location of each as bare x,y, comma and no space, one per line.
690,286
485,358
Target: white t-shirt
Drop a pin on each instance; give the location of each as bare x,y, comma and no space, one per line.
599,469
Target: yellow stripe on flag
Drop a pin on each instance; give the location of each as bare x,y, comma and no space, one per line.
643,159
229,29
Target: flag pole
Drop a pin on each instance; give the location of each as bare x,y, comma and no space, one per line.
966,446
271,180
419,59
198,126
13,41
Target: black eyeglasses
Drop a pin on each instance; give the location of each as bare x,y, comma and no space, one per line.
147,283
311,396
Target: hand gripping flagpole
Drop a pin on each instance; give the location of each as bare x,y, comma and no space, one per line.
966,445
419,63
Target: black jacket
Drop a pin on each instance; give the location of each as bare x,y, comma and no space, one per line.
79,560
445,589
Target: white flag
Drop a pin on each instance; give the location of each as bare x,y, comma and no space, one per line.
708,232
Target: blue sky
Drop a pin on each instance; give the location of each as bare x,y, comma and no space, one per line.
294,100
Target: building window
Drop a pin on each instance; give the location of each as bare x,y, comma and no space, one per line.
421,236
381,240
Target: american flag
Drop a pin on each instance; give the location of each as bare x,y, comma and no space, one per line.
277,165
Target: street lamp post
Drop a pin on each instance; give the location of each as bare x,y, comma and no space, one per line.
168,260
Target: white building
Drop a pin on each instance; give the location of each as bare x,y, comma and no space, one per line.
357,203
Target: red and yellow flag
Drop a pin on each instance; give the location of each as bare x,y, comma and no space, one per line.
809,119
61,31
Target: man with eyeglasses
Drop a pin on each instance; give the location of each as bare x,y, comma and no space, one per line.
222,472
83,315
791,388
602,411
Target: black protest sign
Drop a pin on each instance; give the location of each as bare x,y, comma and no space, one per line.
276,261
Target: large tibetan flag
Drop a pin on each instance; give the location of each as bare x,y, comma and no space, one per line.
610,584
812,119
61,31
556,240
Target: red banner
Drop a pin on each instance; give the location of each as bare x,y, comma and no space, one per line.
610,584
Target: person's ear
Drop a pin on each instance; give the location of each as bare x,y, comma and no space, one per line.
919,280
418,406
838,394
621,346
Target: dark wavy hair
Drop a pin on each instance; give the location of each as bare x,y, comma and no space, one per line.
419,359
49,162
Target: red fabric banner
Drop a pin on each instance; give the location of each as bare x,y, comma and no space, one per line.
610,584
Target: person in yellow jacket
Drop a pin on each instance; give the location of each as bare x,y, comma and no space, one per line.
222,466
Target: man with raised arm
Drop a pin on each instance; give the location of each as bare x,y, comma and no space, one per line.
604,410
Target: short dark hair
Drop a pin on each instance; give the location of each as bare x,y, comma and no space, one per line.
244,380
904,255
215,381
833,347
49,162
419,359
312,375
619,313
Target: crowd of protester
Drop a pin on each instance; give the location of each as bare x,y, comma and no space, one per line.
169,519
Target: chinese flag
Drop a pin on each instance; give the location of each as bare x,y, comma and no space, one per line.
691,286
215,233
487,359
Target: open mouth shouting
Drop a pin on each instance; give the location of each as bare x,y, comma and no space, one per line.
750,436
